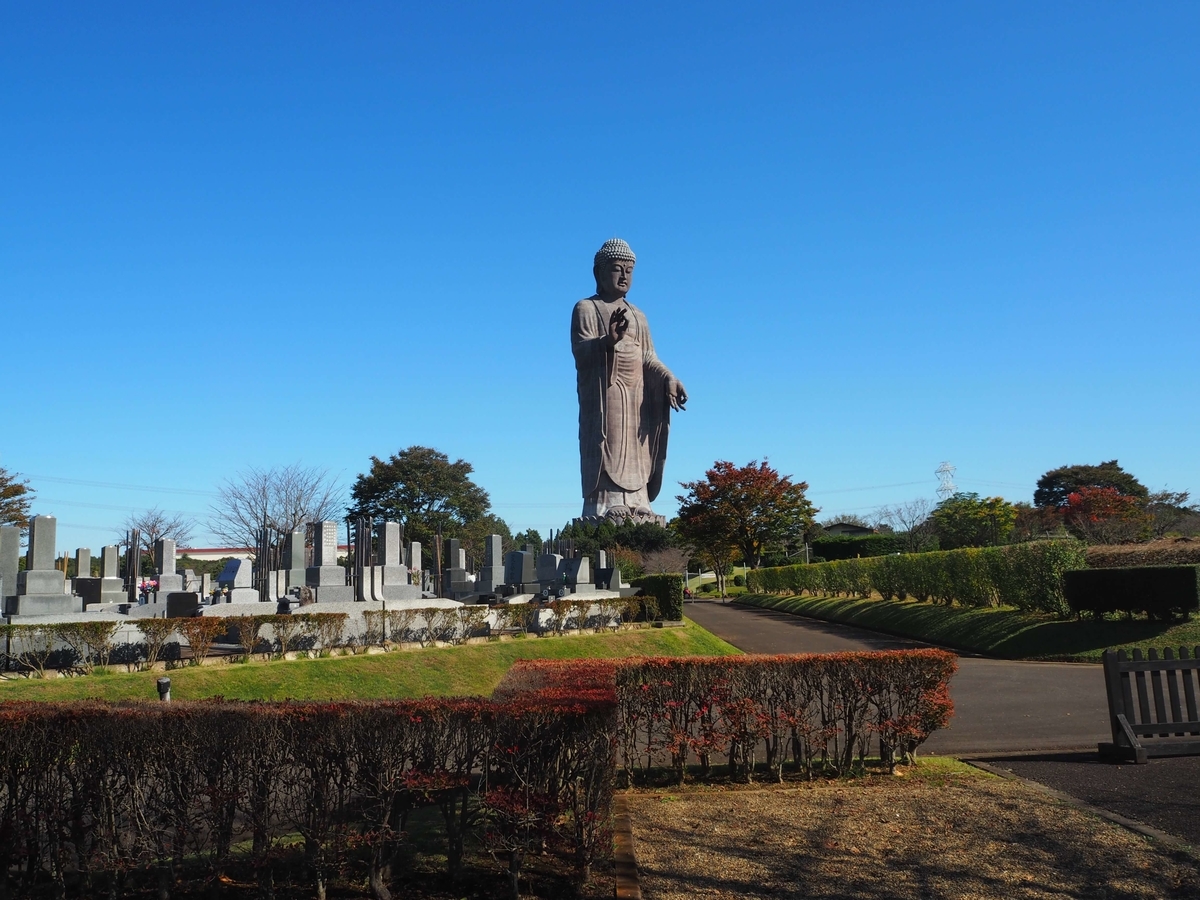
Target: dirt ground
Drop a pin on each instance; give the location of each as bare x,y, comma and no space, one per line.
929,834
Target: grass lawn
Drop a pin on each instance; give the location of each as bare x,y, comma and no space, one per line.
1003,632
447,671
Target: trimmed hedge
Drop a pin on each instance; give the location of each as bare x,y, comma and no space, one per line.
667,590
821,712
116,800
1158,591
1026,576
834,548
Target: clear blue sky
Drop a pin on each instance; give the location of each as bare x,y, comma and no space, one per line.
871,237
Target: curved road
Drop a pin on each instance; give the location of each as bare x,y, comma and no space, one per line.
1000,706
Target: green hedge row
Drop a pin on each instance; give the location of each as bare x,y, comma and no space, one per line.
833,548
667,590
1026,576
1158,591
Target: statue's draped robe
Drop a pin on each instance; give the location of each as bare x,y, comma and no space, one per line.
624,415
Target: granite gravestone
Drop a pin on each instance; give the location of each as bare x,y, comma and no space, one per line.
325,577
108,588
10,565
626,395
491,576
293,558
238,579
389,577
41,588
169,581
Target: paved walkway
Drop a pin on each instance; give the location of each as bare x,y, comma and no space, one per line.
1000,706
1004,707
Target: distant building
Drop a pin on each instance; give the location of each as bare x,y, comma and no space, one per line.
845,529
208,553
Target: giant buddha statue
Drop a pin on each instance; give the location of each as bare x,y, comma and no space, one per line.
626,395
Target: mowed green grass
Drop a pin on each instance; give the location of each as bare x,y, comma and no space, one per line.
1003,632
474,669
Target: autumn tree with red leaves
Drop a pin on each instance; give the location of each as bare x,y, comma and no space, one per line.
752,508
1104,515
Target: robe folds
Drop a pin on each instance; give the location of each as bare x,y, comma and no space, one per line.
624,414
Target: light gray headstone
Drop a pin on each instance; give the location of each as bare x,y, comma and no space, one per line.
110,562
326,544
83,562
461,561
10,560
164,556
601,559
42,534
414,555
388,536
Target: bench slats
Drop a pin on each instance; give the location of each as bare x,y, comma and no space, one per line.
1173,725
1189,690
1155,728
1160,666
1143,697
1172,676
1156,686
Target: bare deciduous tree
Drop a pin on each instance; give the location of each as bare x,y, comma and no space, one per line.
282,497
157,524
911,519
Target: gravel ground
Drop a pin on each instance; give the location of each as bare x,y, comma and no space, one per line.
1164,792
926,836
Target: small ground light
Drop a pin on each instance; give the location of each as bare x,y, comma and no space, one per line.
164,689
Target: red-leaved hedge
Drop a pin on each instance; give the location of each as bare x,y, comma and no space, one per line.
114,799
119,796
821,712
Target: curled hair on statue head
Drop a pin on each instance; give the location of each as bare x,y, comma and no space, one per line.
613,248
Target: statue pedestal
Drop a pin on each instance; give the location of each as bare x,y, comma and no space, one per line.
626,515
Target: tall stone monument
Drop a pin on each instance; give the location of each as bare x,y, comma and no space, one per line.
10,565
41,588
169,580
326,578
626,395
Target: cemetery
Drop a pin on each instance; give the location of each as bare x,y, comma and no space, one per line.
298,597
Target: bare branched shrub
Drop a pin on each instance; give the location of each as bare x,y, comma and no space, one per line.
34,646
200,633
287,632
560,611
155,632
470,621
578,617
328,629
91,642
400,624
249,629
373,624
443,624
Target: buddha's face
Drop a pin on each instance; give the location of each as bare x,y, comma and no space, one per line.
614,278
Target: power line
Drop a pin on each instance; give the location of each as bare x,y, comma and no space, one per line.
126,487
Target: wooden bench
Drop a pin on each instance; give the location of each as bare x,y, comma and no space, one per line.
1146,720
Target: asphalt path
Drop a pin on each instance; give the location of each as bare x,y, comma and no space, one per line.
1000,706
1004,707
